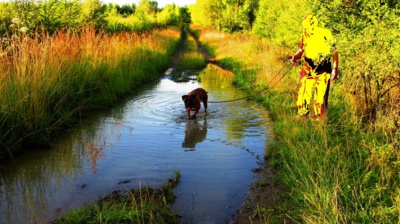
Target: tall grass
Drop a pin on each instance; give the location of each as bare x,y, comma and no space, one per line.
332,171
191,58
47,82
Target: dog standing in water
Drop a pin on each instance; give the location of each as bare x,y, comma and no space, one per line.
192,101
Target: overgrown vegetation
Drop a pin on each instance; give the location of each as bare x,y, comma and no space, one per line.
364,29
342,170
48,81
61,58
142,205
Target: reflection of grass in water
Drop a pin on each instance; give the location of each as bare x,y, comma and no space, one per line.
144,205
216,78
213,76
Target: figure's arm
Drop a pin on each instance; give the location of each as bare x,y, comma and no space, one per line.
298,54
335,68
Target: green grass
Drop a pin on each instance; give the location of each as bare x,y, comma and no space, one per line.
337,170
191,58
143,205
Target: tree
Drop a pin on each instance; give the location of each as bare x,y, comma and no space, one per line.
185,14
147,7
169,15
226,15
93,12
280,21
55,15
126,10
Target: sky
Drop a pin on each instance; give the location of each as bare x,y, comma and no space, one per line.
161,3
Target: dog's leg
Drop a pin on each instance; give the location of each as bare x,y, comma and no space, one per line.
205,105
205,100
194,115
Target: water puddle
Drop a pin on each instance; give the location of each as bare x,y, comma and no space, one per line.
142,141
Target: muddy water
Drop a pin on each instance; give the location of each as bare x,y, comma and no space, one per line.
141,142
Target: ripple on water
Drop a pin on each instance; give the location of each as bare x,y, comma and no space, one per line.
143,141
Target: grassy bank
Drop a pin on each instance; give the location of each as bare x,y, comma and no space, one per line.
49,82
340,170
142,205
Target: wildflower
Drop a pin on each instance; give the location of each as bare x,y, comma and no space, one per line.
16,21
24,29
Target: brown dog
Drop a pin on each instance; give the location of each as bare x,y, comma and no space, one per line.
192,101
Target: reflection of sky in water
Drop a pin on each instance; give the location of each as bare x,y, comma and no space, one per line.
142,141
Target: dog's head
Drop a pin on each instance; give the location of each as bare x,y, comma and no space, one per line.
189,101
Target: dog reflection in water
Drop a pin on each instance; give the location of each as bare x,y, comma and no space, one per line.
195,132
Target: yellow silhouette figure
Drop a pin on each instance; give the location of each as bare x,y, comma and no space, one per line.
317,46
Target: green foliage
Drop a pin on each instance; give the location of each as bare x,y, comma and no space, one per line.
363,29
369,51
337,170
203,12
126,10
147,7
226,15
93,13
54,15
280,21
185,15
6,16
170,15
367,34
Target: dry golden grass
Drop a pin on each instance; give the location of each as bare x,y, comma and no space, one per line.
45,80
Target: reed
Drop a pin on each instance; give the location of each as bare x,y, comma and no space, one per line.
334,171
47,81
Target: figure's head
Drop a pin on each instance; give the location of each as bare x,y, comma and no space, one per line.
309,23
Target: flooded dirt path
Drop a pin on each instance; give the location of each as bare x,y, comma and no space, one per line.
141,142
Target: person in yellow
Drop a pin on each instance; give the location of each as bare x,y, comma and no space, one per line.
320,65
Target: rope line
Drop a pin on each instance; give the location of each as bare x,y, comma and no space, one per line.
265,89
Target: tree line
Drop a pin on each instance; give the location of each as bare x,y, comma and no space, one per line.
51,16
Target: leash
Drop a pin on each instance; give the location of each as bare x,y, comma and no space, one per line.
266,89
